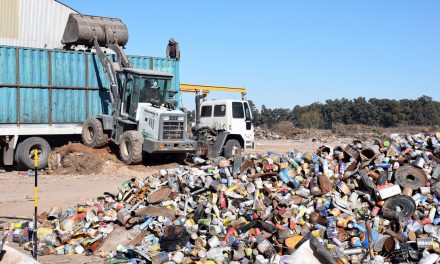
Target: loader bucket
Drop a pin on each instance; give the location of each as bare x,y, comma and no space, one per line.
81,30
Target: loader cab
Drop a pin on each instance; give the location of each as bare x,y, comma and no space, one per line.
233,116
142,86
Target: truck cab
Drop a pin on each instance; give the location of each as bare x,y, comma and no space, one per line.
232,116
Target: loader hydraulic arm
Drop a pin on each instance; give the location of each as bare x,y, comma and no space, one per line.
111,76
120,56
111,33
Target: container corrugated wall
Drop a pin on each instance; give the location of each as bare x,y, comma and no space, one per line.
34,70
60,86
99,100
8,95
68,70
33,23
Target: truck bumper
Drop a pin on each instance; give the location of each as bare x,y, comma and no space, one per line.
249,144
154,146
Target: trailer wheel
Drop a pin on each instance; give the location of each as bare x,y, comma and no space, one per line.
93,134
26,149
232,148
130,147
16,158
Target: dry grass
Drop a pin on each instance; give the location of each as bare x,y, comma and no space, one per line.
286,130
364,130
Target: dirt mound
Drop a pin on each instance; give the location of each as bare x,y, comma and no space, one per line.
76,158
265,134
104,153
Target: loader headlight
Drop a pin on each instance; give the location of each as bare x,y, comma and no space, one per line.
166,118
181,118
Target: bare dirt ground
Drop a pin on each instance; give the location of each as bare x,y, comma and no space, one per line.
68,190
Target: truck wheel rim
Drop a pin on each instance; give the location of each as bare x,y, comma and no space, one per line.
234,150
126,148
31,153
90,133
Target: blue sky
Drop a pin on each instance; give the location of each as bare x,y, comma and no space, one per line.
290,52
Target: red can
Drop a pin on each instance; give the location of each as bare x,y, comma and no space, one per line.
425,221
230,233
375,211
222,200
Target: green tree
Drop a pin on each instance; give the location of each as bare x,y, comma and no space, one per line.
255,113
374,112
267,117
311,119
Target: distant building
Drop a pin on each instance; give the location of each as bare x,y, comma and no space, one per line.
33,23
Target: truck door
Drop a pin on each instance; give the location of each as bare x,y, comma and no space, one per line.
238,124
248,116
242,122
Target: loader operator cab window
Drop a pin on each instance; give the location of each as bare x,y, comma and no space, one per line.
153,91
143,89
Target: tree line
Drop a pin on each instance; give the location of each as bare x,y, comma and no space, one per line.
423,111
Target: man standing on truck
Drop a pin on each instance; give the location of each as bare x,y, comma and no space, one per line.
173,50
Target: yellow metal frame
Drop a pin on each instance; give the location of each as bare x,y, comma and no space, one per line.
205,89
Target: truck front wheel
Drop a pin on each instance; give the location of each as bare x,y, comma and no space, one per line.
93,134
26,152
130,147
232,148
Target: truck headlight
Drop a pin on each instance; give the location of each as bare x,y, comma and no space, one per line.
166,118
181,118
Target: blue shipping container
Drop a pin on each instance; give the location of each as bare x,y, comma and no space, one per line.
39,86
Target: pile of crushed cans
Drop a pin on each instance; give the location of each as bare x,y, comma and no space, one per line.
366,202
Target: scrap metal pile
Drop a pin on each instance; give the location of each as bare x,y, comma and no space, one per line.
366,202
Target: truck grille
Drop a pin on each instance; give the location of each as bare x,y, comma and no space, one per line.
173,130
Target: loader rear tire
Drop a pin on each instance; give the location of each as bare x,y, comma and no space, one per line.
232,148
93,134
130,147
26,152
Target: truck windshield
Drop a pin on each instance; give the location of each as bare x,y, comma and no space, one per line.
152,90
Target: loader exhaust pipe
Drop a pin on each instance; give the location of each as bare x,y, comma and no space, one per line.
82,29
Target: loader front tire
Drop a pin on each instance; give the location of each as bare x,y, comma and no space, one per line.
93,133
130,147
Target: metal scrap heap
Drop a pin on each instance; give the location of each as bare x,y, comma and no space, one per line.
366,202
